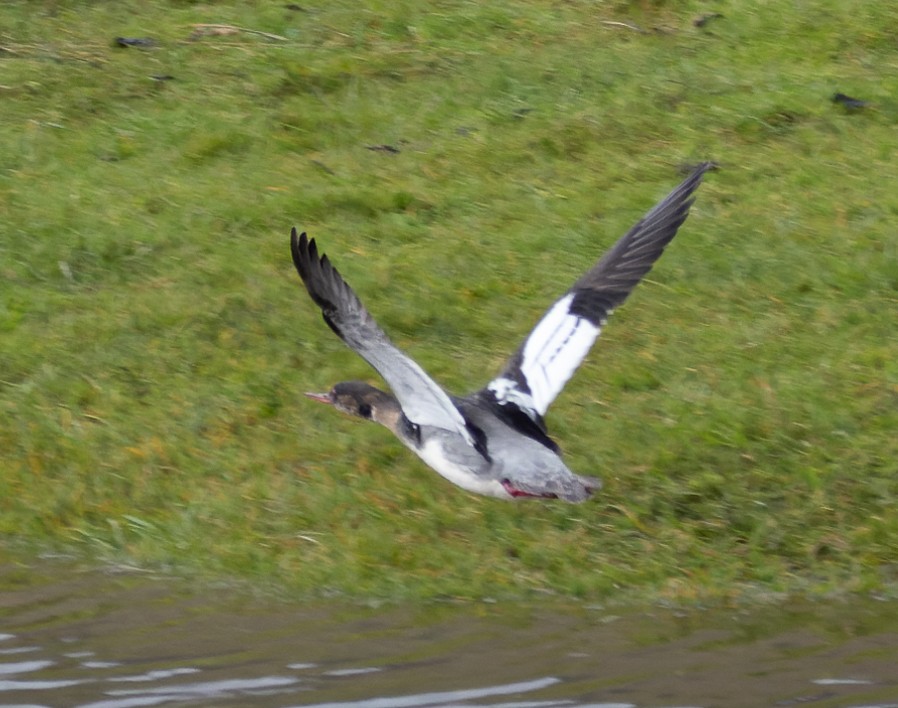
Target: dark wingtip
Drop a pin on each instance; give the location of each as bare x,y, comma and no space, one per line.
304,252
322,281
296,249
296,241
695,173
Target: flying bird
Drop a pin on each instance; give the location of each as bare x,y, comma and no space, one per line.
493,441
849,103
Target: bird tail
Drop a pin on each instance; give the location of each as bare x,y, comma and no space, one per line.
590,484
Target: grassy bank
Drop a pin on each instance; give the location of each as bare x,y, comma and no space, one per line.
462,163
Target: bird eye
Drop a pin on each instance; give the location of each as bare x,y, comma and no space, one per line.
365,410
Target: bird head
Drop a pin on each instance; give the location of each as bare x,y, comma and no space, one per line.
353,397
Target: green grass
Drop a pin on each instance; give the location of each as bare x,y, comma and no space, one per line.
155,342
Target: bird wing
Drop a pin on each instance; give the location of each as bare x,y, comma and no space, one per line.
422,400
541,367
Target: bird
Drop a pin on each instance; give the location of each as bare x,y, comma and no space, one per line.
494,441
850,104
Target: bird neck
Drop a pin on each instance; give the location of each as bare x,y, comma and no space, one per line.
385,409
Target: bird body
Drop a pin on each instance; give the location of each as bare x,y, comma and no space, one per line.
494,441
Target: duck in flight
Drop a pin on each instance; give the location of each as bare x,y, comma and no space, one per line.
493,441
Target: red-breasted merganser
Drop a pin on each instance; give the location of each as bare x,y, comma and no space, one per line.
493,441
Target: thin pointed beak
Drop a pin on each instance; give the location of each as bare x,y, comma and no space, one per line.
320,397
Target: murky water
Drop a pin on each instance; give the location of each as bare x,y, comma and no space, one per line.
71,637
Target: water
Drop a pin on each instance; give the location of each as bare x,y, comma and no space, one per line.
87,638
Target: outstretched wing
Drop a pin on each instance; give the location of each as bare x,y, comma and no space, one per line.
422,400
538,371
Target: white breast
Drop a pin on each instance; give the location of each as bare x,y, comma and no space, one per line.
432,453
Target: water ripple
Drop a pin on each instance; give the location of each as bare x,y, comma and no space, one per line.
98,641
441,698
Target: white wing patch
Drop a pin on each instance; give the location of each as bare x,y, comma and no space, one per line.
554,350
507,391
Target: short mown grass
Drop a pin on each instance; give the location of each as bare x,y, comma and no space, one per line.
462,163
